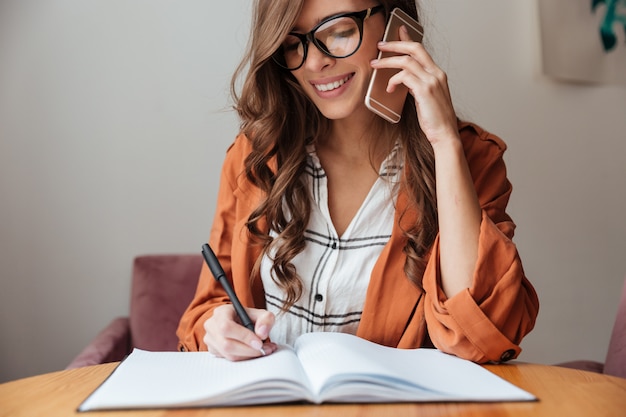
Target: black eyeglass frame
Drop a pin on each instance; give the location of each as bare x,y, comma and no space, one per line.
306,38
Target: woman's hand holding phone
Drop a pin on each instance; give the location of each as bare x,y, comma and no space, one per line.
416,72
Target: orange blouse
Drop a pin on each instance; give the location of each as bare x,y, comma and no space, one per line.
486,322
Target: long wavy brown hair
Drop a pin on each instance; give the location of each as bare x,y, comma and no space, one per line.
280,121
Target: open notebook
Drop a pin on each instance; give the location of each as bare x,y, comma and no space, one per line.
322,367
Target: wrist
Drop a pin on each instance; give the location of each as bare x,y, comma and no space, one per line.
450,145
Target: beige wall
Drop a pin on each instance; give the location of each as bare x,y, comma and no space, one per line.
113,128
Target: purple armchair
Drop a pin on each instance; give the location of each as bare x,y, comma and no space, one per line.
162,288
615,362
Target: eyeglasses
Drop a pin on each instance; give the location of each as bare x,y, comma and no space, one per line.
338,36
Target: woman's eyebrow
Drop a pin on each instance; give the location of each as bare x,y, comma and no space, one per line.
320,20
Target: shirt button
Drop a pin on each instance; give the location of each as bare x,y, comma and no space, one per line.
319,297
507,355
334,245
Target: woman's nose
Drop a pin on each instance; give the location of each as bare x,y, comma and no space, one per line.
316,60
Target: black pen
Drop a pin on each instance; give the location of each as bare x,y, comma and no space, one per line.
220,276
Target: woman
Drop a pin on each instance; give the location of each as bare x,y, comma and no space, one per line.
329,218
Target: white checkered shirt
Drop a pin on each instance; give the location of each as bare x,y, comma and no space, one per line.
335,271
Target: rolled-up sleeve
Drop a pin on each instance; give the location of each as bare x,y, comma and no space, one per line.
487,321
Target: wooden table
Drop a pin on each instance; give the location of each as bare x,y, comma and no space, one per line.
561,392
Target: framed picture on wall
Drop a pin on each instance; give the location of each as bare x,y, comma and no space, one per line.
584,40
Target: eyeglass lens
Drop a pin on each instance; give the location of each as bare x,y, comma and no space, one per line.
338,38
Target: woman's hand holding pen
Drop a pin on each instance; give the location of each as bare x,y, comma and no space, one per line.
234,332
226,337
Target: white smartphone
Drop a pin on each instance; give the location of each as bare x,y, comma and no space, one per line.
377,99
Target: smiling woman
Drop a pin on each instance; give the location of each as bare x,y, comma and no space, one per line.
329,218
103,99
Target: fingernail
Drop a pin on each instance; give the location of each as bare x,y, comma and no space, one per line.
257,346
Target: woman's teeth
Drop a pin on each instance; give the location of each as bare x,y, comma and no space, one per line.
332,86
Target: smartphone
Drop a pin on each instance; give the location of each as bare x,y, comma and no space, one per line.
377,99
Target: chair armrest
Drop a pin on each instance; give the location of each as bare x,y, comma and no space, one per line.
584,365
110,345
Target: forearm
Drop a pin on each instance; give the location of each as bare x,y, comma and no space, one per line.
459,217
